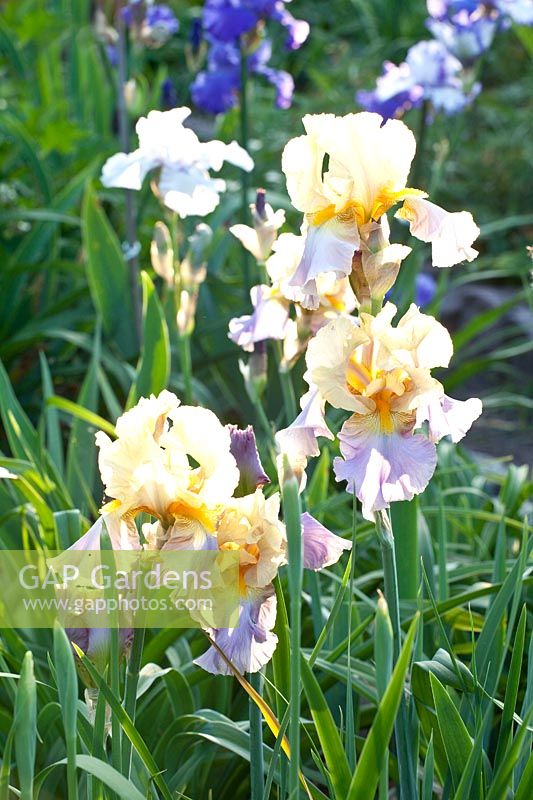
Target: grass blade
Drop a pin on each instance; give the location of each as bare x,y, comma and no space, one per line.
67,686
366,776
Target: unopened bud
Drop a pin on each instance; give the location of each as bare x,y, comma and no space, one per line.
383,645
199,241
255,372
162,253
260,205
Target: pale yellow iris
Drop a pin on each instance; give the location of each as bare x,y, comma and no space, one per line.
189,507
382,386
357,213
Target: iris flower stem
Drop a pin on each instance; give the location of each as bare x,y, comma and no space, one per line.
245,176
287,389
114,651
408,788
256,741
404,516
131,225
350,714
184,338
99,736
186,366
292,514
130,693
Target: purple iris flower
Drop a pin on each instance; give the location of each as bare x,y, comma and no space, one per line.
226,20
465,27
429,72
169,94
395,92
195,34
519,11
112,54
162,16
297,29
158,18
216,89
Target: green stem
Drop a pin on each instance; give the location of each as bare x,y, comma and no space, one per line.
131,226
441,534
287,391
72,781
292,514
404,516
245,176
350,715
130,693
186,366
256,741
99,736
408,788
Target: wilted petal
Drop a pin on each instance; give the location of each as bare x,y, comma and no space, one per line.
449,417
250,646
451,234
268,320
381,268
321,547
244,450
382,468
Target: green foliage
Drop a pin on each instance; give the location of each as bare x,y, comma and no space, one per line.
153,369
71,362
107,275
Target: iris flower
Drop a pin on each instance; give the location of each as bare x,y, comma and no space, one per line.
217,88
344,202
270,318
148,468
251,527
430,72
226,20
381,374
202,484
184,183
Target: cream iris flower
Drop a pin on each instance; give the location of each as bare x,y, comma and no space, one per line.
184,183
381,374
250,525
172,462
344,174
